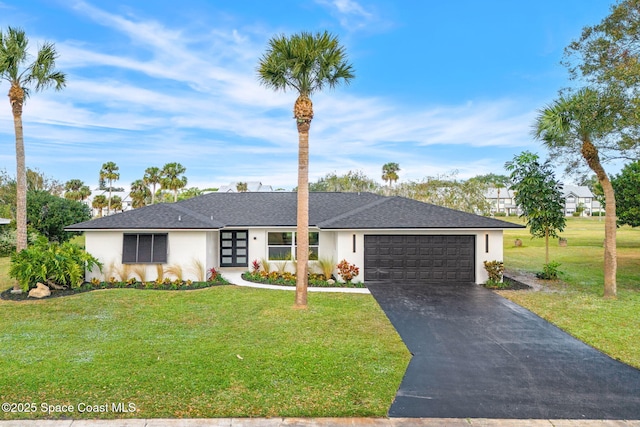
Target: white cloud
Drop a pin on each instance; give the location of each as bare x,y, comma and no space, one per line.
351,14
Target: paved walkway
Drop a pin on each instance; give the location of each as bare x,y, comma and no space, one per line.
235,277
321,422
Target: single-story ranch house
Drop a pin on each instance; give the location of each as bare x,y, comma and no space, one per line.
388,238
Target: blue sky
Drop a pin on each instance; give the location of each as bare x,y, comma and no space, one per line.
440,86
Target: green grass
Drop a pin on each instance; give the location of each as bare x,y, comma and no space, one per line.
219,352
575,304
5,281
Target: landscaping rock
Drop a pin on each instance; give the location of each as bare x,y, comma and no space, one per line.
40,291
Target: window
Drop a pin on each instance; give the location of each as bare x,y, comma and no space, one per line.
281,245
144,248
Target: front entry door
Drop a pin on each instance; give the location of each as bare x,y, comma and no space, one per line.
233,248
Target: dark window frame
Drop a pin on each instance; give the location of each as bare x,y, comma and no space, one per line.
145,248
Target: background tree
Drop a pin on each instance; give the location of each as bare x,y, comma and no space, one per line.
7,196
23,75
352,181
577,127
390,173
140,193
49,215
38,181
190,193
85,192
109,172
607,55
72,189
172,178
492,180
539,196
305,63
116,203
99,202
241,187
152,177
626,185
447,191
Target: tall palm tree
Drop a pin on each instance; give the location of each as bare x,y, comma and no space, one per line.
139,193
572,124
109,172
99,202
172,179
390,173
305,63
23,75
152,176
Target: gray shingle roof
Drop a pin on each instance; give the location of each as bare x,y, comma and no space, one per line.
278,209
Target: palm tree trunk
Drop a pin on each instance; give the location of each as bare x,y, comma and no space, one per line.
16,97
590,154
302,231
109,202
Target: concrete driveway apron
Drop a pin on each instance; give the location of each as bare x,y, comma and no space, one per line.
478,355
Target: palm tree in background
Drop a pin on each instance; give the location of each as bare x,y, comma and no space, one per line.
305,63
172,179
390,173
99,202
241,187
116,203
22,75
140,193
152,176
85,192
72,189
109,172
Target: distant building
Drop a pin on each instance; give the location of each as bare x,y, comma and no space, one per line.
124,195
252,187
4,221
577,198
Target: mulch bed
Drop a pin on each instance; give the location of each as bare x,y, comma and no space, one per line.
24,296
512,285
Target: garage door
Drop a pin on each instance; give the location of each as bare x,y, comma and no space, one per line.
426,259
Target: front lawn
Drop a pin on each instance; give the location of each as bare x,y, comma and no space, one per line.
575,304
219,352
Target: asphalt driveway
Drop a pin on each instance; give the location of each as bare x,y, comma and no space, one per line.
478,355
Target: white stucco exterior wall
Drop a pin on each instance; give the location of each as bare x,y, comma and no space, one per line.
184,248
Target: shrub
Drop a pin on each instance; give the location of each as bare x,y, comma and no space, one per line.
51,263
8,241
213,274
347,271
549,271
255,266
495,270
